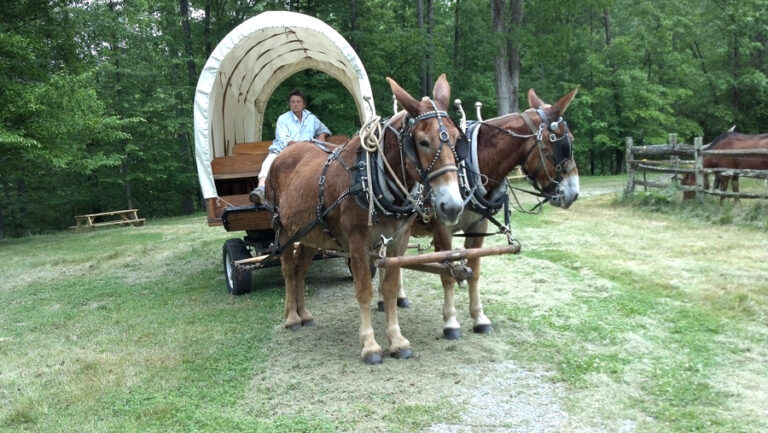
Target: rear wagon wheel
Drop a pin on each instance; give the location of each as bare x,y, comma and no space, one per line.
238,281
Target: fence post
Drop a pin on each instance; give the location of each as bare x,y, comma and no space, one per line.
630,189
675,157
698,164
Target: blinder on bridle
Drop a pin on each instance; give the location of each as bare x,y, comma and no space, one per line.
408,145
561,156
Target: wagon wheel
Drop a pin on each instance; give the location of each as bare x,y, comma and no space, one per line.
238,281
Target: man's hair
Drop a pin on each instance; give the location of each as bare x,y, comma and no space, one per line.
297,92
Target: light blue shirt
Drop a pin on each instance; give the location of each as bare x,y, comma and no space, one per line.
290,129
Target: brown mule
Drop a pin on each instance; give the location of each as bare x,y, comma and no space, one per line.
424,154
542,146
730,141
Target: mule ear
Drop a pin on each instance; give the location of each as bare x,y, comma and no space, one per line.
408,102
533,100
441,93
562,105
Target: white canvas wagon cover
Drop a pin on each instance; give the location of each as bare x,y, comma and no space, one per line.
249,64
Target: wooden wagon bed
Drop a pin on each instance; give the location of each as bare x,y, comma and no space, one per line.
236,176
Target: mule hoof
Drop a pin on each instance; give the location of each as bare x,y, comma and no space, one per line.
452,333
403,302
381,306
309,323
373,359
482,329
402,354
295,327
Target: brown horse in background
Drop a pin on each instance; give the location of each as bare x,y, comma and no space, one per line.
730,141
419,145
540,142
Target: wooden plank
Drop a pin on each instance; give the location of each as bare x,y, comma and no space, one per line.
762,174
216,206
737,153
441,256
238,165
662,150
667,169
255,220
651,183
139,221
737,194
253,147
110,213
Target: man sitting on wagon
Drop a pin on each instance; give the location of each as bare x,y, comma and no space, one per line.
297,124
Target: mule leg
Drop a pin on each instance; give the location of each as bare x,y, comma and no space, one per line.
303,257
402,298
723,181
735,185
481,323
361,274
288,265
399,346
451,328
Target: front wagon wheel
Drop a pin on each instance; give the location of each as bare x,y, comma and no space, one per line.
238,281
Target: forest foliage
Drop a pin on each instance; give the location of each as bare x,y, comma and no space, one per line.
96,95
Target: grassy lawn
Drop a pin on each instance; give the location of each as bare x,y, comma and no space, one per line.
613,318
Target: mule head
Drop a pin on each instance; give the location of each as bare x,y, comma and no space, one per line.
429,139
550,164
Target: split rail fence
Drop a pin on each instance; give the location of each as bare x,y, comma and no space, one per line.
666,159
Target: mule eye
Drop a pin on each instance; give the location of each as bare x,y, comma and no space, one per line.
424,144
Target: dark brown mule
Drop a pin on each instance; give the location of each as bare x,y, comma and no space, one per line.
730,141
428,138
539,141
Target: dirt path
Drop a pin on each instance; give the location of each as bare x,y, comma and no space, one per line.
471,384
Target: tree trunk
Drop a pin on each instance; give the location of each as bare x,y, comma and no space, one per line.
423,67
207,28
430,45
506,24
126,185
514,53
456,24
2,223
607,26
353,13
184,13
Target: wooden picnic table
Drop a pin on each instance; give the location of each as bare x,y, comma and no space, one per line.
100,219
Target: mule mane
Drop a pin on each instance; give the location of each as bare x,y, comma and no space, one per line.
497,155
720,139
